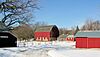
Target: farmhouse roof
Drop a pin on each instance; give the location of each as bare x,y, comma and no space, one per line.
70,36
63,36
88,34
45,28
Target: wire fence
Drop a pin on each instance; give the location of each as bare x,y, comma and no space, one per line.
45,44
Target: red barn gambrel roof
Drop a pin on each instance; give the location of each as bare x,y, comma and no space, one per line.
45,28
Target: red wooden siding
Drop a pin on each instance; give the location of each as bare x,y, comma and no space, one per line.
87,42
93,42
42,35
81,42
69,39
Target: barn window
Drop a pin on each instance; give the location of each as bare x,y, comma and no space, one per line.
43,38
46,39
37,38
68,38
40,39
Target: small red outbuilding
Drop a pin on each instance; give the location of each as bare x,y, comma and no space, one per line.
65,37
70,38
90,39
46,33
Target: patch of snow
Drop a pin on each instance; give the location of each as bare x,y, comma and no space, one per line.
33,49
48,49
75,53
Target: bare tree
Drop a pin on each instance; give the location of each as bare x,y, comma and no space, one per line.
63,31
23,32
91,25
77,29
37,24
16,11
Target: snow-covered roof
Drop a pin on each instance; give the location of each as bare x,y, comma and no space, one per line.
88,34
70,36
63,36
45,28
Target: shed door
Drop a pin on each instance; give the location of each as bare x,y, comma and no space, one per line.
93,42
81,42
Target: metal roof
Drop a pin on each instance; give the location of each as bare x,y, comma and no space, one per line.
88,34
45,28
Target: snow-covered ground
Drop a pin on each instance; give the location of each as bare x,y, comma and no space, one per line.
48,49
34,49
75,53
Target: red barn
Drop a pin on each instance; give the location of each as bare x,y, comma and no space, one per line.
88,39
46,33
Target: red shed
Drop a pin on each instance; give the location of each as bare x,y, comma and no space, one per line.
90,39
46,33
70,38
65,37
